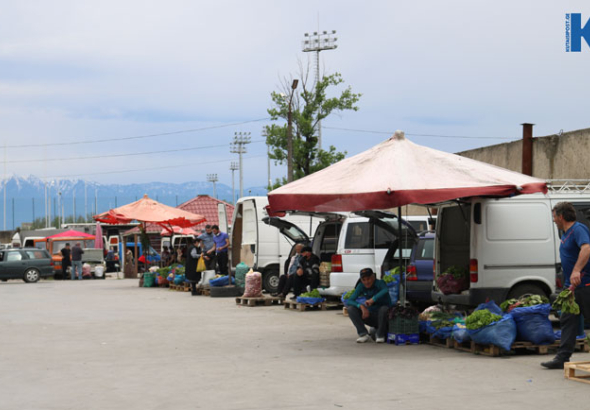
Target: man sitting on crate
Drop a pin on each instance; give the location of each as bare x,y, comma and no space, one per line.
308,272
374,311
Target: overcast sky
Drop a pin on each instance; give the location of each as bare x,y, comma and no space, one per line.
79,71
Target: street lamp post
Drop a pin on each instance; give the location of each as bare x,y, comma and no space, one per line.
233,167
238,146
290,133
319,42
213,178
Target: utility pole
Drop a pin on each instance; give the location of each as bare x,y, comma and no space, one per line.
85,202
233,167
290,135
241,139
319,42
213,178
59,210
74,204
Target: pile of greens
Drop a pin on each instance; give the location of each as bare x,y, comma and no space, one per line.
313,294
523,301
348,294
566,302
443,319
455,271
481,318
392,275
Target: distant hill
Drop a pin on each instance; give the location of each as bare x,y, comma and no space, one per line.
28,196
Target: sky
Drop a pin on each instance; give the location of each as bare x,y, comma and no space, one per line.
133,91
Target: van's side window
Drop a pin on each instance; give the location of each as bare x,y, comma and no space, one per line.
330,238
383,238
359,235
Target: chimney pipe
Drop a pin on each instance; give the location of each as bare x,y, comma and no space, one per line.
527,149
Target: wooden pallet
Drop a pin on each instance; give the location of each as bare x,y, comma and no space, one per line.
184,287
435,341
294,305
538,349
259,301
570,368
203,291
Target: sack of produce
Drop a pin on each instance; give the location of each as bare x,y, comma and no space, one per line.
179,279
241,271
460,333
441,324
344,298
253,285
533,324
311,298
392,280
453,280
221,281
486,328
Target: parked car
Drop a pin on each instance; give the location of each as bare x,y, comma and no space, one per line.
419,271
28,264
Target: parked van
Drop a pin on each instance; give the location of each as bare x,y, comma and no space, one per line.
347,243
259,245
510,246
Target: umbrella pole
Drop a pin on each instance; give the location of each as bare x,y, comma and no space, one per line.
402,291
136,261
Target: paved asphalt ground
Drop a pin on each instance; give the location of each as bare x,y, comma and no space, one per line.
112,345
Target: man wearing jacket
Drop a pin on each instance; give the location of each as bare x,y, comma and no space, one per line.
308,272
374,311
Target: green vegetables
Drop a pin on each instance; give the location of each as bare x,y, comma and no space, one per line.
348,294
313,294
455,272
566,302
481,318
392,275
523,301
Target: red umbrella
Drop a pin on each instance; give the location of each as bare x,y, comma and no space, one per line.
398,172
70,234
179,231
148,210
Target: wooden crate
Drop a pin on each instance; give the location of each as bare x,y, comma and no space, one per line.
301,307
259,301
448,343
183,287
583,374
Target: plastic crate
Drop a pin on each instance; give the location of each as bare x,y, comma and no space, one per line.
402,325
402,339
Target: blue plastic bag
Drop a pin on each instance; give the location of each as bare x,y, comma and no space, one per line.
422,326
533,324
443,332
360,300
310,301
393,288
501,333
429,328
460,333
491,306
221,281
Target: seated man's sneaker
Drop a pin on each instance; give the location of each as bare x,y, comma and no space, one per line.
553,364
380,340
364,339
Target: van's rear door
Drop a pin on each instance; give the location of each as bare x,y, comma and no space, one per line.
290,230
222,216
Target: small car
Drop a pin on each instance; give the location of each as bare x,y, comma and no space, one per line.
28,264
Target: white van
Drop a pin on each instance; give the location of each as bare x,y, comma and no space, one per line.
351,242
259,245
510,246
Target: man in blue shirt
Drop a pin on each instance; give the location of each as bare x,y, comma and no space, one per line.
208,246
374,311
574,252
221,246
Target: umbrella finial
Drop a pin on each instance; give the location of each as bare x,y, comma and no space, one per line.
399,135
145,196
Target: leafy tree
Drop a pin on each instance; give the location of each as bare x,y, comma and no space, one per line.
310,105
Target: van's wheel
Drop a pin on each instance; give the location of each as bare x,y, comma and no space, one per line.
31,275
525,290
270,280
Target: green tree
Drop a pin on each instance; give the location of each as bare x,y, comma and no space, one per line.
310,105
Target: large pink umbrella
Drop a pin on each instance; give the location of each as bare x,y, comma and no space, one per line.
398,172
179,231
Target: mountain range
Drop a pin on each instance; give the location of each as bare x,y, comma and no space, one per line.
25,196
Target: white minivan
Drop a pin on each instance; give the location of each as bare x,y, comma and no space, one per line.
348,243
510,246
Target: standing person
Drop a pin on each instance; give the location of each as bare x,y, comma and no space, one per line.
574,252
77,261
221,240
66,261
208,246
165,256
308,272
129,263
374,312
193,254
286,281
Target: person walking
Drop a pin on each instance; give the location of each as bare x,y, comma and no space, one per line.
193,253
77,261
221,240
66,261
574,252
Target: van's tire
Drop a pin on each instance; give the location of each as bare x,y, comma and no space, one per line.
270,280
526,289
226,291
31,275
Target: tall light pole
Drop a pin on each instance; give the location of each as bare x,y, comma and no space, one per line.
213,178
290,133
59,211
233,167
319,42
238,146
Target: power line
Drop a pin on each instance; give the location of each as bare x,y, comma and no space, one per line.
420,135
53,144
132,154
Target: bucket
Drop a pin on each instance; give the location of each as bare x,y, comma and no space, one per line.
206,276
99,271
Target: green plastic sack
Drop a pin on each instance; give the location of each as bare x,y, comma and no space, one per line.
241,271
148,280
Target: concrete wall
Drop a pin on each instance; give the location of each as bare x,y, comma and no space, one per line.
554,157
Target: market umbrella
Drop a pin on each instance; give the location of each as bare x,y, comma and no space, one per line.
70,234
180,231
148,210
98,237
398,172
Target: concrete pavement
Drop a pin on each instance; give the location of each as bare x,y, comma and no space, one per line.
112,345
